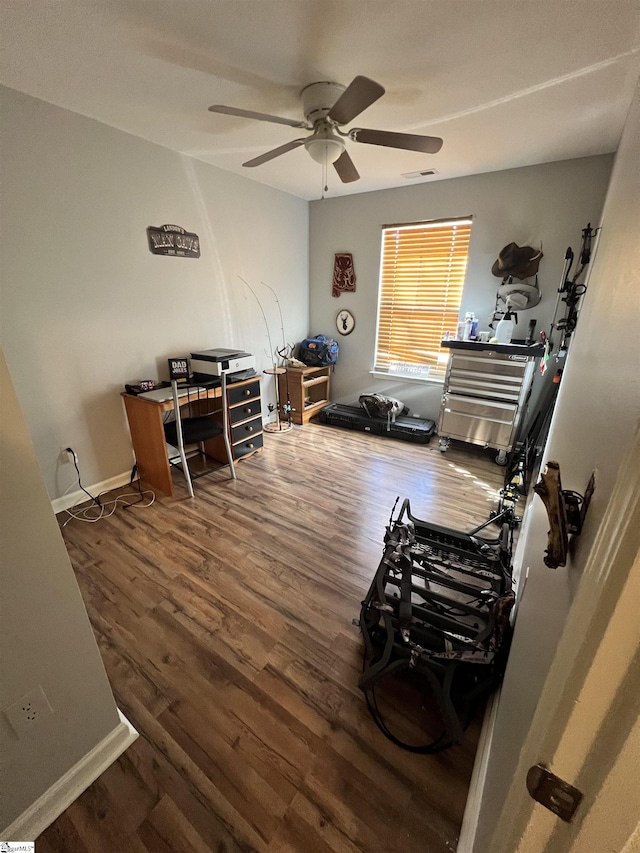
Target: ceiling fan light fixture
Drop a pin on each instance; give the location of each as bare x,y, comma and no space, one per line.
324,151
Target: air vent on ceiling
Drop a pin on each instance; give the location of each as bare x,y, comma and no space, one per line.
423,173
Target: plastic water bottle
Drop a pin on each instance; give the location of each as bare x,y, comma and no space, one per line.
504,329
474,327
468,323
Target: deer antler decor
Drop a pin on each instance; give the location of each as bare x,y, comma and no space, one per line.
549,488
566,511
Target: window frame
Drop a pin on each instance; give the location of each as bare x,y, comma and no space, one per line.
397,286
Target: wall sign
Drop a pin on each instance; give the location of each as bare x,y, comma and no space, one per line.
173,240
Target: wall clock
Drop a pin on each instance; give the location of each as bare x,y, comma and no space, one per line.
345,322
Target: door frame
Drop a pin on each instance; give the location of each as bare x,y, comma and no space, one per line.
586,697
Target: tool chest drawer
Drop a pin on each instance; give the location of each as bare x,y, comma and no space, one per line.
483,422
498,378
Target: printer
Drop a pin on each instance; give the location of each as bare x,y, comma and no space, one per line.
215,362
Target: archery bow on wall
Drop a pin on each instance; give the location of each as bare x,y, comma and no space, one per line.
571,290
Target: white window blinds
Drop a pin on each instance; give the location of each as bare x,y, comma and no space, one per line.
421,279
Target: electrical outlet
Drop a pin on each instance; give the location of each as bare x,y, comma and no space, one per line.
28,711
65,456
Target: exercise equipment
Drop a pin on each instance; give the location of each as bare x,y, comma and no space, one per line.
438,607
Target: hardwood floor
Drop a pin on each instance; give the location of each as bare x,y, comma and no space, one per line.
226,627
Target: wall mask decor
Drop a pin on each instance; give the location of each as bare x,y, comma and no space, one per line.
344,276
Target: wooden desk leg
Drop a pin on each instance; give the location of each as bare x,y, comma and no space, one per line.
149,447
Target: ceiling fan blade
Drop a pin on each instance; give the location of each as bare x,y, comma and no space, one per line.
275,152
235,111
345,168
359,94
408,141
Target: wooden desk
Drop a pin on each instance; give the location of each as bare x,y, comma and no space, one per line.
147,430
149,445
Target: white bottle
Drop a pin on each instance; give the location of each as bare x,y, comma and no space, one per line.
504,329
468,322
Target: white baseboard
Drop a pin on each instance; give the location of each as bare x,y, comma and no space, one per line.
466,842
73,498
68,788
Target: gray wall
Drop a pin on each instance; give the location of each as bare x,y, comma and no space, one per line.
46,638
86,307
548,204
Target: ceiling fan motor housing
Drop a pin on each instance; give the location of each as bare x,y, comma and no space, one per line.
318,98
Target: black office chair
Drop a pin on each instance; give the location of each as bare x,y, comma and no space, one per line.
200,425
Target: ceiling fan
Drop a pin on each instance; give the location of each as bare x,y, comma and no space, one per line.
326,107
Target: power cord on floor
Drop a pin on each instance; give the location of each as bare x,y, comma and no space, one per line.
99,508
438,744
75,463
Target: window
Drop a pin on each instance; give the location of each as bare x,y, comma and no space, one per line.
421,279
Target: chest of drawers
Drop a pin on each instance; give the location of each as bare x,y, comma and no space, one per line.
245,417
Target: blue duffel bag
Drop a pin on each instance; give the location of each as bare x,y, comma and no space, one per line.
320,351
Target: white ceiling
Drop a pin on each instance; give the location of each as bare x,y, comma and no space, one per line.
504,83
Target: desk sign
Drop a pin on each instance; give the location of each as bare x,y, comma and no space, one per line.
173,240
179,369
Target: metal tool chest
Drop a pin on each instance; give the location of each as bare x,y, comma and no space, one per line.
484,394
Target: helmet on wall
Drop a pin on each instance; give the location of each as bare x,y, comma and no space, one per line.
520,295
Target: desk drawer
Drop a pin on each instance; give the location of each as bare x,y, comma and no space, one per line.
246,430
244,411
249,445
239,393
